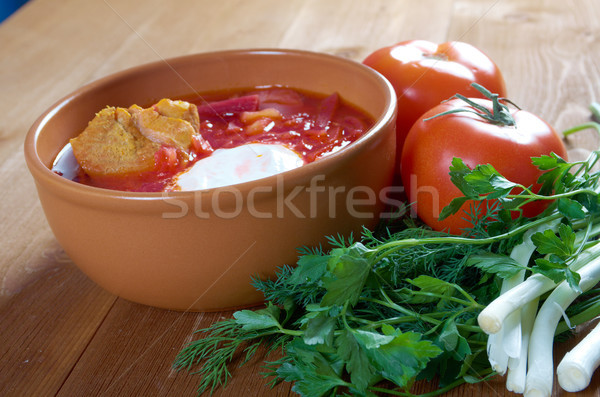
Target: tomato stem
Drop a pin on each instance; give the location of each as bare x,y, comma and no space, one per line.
499,115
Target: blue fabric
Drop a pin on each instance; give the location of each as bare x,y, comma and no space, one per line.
7,7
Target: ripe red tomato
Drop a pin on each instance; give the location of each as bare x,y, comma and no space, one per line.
432,144
424,74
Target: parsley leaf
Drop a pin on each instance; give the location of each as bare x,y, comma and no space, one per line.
501,265
547,242
362,373
311,371
259,319
403,358
453,341
557,270
571,208
319,328
349,269
485,180
310,268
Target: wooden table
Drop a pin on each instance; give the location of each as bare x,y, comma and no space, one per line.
60,334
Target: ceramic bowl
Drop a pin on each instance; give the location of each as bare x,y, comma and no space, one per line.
197,251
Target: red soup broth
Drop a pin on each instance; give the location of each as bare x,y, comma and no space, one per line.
310,124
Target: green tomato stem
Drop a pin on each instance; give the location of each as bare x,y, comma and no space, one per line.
499,115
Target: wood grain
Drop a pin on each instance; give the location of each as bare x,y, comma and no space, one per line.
60,334
44,333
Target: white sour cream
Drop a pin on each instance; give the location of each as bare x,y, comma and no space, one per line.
237,165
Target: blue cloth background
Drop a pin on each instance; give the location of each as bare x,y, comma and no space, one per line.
7,7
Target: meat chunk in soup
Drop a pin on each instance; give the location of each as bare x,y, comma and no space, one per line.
167,123
179,110
111,144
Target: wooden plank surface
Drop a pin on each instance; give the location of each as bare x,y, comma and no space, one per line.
62,335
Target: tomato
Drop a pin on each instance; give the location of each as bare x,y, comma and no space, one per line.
424,74
432,144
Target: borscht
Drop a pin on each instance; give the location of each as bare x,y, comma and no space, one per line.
209,140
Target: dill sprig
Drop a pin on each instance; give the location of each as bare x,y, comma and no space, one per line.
219,346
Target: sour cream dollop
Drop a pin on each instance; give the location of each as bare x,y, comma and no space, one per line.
237,165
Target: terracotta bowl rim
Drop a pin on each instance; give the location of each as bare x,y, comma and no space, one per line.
41,172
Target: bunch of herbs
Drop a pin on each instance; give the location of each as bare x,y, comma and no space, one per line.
400,304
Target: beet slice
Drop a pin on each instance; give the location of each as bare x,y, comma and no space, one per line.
326,110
